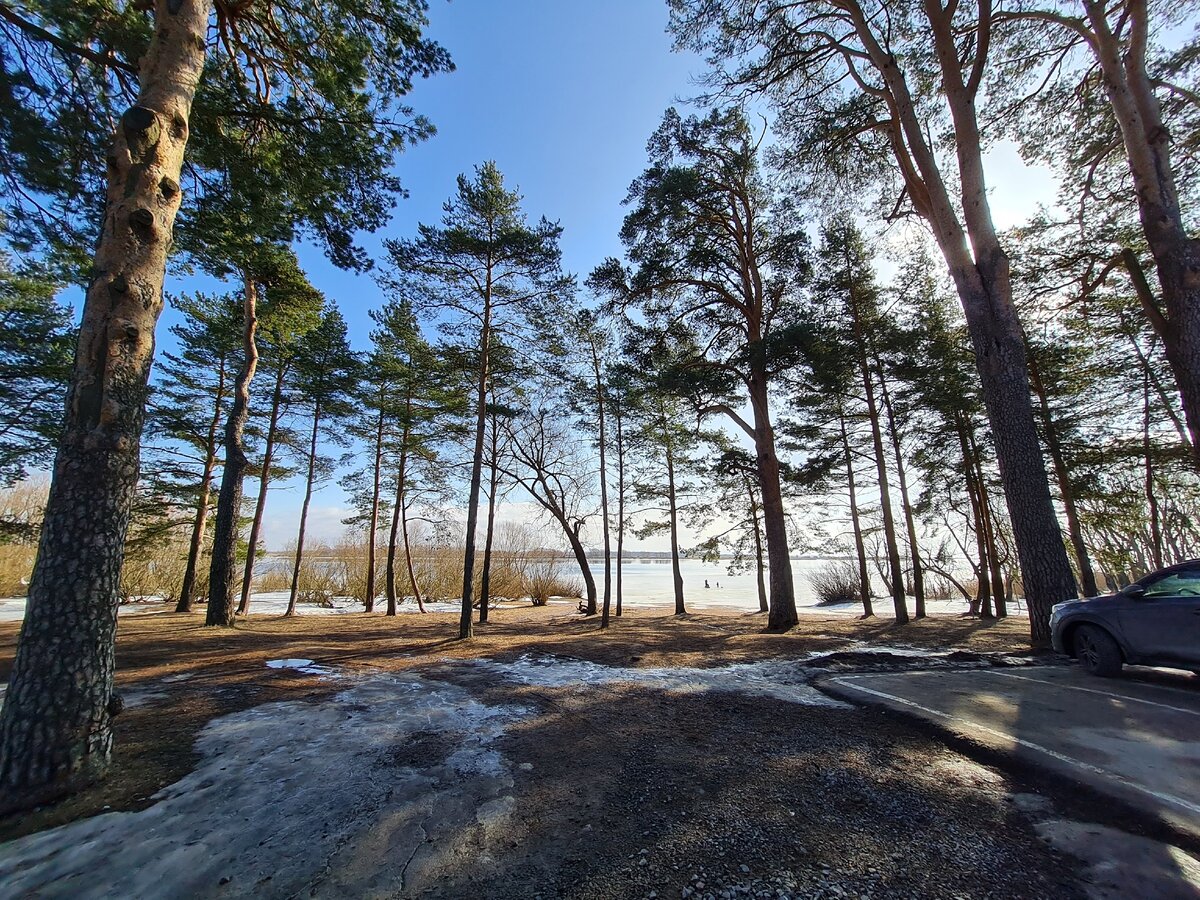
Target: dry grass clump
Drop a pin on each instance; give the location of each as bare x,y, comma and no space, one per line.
835,582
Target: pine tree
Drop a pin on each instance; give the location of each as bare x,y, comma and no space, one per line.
715,250
488,267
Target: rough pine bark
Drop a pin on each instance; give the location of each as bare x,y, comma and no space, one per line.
264,482
782,614
187,589
229,501
56,724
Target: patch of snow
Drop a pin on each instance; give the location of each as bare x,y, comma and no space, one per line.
12,609
779,679
299,665
295,795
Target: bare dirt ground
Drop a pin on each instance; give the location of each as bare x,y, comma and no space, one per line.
594,786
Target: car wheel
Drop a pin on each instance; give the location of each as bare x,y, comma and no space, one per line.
1097,651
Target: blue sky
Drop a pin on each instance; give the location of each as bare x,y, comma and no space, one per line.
563,95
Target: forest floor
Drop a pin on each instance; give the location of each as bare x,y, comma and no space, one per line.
667,757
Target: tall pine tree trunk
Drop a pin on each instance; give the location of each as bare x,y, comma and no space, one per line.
910,522
1156,536
308,492
758,549
980,270
782,615
1148,153
373,529
899,603
264,481
398,517
975,497
408,557
485,340
229,501
56,723
1087,578
989,531
860,549
195,547
673,510
485,587
620,500
604,616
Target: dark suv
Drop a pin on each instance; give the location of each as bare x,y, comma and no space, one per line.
1152,622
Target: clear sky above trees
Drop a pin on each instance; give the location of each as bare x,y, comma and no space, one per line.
563,96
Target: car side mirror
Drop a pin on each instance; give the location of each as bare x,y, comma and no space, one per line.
1134,590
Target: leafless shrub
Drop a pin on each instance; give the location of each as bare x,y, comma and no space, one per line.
835,582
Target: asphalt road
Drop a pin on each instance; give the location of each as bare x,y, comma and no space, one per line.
1136,738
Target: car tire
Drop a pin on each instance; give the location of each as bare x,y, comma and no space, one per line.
1097,651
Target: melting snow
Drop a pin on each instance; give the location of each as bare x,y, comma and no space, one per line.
781,680
396,766
299,665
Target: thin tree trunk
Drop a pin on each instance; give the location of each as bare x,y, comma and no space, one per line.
1156,537
485,339
604,617
373,530
676,575
758,549
56,723
864,575
620,500
899,603
408,559
264,481
308,492
195,547
1062,475
983,578
910,522
398,512
485,587
229,501
999,588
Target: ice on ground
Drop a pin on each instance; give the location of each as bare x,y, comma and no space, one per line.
12,609
395,768
780,679
307,666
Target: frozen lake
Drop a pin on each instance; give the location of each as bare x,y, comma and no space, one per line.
646,585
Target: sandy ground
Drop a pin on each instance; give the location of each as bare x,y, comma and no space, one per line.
664,758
